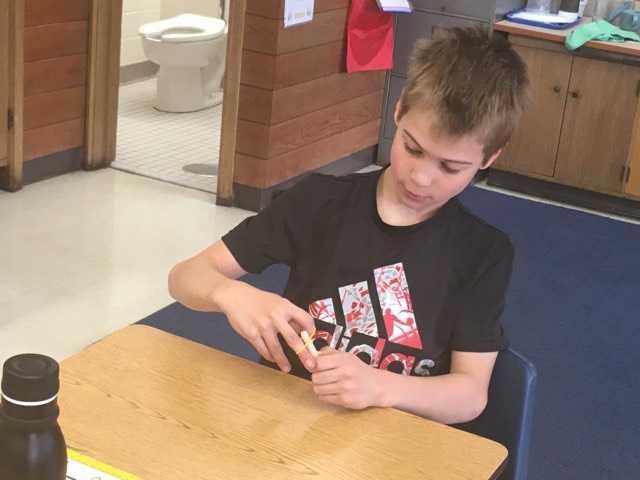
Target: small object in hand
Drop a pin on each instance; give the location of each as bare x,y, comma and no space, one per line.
308,343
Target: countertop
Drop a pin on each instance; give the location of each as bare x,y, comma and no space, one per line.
558,36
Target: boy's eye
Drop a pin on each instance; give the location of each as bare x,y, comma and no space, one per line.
447,168
412,151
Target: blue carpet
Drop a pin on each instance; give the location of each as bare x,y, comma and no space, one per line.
571,306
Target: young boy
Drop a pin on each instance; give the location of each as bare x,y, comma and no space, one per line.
401,286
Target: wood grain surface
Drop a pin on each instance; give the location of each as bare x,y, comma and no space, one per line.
266,142
273,107
164,408
260,173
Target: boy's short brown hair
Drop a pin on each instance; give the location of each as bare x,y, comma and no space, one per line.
474,83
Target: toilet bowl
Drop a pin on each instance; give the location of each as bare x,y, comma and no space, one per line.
190,50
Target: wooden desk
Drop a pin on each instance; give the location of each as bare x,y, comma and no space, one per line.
162,407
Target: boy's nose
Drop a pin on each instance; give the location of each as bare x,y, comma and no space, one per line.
422,177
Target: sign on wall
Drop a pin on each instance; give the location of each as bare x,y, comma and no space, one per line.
297,12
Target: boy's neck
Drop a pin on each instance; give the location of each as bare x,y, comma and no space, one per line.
391,209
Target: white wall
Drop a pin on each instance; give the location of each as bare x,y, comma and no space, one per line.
208,8
136,13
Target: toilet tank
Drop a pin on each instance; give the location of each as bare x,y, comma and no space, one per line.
207,8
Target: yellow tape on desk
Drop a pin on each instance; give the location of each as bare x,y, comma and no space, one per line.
102,467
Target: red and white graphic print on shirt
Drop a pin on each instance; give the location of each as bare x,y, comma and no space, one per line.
358,311
396,305
323,310
360,336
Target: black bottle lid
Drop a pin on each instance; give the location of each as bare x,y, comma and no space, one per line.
30,379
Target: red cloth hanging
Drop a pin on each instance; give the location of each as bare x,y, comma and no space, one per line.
369,37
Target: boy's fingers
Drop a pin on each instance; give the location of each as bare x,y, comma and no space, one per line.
327,389
290,336
303,319
262,349
325,377
297,345
327,361
275,349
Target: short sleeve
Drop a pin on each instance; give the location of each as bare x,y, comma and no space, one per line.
275,234
477,308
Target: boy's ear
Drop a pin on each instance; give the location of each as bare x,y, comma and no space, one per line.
490,162
396,113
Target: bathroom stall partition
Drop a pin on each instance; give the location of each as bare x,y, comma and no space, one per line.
11,93
58,92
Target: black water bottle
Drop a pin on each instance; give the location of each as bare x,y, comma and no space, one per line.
31,443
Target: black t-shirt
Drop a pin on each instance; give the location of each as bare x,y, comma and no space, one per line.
400,297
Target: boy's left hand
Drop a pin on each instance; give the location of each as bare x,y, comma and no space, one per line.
343,379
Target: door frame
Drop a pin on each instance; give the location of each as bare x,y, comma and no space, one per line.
12,49
103,84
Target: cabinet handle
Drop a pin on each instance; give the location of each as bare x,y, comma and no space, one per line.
623,173
575,94
557,89
628,174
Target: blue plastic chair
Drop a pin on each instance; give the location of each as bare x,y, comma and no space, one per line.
508,417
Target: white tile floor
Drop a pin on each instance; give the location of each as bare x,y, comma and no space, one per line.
158,144
87,253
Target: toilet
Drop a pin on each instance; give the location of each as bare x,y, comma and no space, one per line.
190,50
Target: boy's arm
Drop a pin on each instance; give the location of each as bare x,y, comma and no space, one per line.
459,396
207,282
197,281
456,397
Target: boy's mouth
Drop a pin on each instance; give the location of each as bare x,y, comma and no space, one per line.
414,196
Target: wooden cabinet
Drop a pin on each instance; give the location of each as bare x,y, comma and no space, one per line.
534,146
598,120
578,130
632,172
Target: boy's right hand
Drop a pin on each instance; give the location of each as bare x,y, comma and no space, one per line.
260,316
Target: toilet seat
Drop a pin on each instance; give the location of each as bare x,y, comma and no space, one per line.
184,28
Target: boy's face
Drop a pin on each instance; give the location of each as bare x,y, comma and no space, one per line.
429,169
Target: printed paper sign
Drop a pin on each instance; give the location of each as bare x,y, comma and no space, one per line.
297,12
398,6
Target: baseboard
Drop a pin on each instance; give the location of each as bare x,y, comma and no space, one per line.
562,193
52,165
256,199
137,71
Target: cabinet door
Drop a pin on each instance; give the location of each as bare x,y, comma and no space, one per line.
4,80
533,147
632,177
598,120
